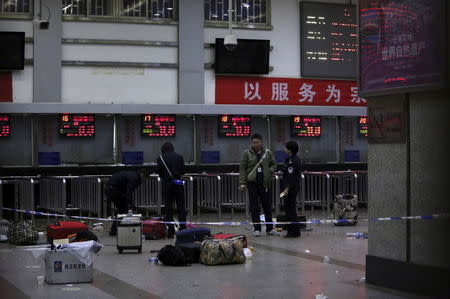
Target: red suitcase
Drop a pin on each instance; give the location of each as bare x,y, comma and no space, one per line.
154,229
221,236
62,229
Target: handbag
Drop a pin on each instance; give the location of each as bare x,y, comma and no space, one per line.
220,252
174,181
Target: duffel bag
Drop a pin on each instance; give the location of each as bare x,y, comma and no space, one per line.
154,229
221,236
23,233
192,235
191,251
172,256
220,252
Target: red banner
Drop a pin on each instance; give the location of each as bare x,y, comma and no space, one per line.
286,91
5,87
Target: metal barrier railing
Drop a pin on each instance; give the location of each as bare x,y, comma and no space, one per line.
317,191
148,195
23,195
208,192
362,190
232,197
189,195
211,192
86,194
53,194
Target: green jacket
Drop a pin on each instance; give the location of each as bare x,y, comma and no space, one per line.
247,171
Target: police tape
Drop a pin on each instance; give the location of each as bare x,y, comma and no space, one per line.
243,223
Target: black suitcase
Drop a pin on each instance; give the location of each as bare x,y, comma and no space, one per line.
191,235
191,251
283,218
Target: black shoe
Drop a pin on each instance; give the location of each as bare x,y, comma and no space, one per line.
291,236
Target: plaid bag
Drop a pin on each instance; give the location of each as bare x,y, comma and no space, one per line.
23,233
219,252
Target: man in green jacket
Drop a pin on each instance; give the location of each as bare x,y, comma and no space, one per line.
255,174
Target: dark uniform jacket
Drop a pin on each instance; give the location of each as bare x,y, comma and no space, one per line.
125,182
174,162
291,173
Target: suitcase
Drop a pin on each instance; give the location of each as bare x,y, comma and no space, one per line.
62,266
192,235
62,229
221,236
191,251
154,229
345,206
129,232
283,218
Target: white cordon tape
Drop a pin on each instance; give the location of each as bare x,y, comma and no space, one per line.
245,223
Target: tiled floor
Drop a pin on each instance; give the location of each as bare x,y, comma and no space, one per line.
280,268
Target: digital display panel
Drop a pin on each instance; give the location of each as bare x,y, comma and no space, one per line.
234,126
158,125
402,45
305,126
362,125
5,127
329,40
77,125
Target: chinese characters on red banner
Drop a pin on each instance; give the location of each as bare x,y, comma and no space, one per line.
286,91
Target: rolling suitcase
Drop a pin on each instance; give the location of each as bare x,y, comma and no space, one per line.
62,229
192,235
129,232
154,229
345,206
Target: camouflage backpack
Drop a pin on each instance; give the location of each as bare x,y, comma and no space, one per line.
22,233
219,252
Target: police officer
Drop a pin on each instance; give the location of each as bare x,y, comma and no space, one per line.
170,167
119,189
291,187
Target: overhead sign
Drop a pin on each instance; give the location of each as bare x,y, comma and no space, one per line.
5,127
77,125
305,126
286,91
155,125
234,126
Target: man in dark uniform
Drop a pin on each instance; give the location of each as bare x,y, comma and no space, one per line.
170,167
119,189
291,187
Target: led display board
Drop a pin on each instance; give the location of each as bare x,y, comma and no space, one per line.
362,125
234,126
5,127
76,125
156,125
305,126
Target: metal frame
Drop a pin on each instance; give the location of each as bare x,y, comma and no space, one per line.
182,109
18,15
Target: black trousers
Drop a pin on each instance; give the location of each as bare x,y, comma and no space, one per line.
174,194
120,202
290,209
258,193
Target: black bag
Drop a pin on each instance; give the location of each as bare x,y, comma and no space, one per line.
283,218
191,251
190,235
85,236
172,256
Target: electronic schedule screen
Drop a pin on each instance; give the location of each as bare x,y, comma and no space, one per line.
363,126
329,40
77,125
305,126
5,127
234,126
156,125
